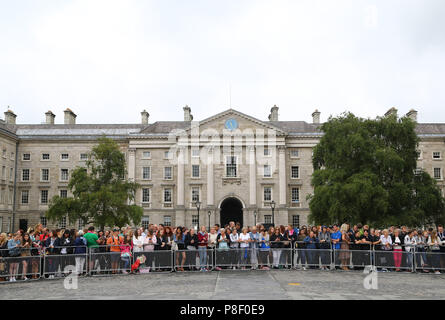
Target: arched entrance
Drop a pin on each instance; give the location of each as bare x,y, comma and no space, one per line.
231,210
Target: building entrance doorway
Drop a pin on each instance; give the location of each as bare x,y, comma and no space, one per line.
231,210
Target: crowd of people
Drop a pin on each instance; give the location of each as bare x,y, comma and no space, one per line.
158,248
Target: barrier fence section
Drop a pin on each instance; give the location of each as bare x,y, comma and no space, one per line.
201,259
110,259
20,264
310,255
154,260
61,261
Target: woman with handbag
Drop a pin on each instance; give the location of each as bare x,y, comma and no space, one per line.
26,254
14,256
179,241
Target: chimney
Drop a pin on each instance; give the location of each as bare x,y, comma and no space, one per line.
188,114
70,116
316,117
50,117
145,115
412,114
273,114
10,117
391,112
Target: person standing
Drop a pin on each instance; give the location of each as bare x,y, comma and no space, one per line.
397,241
324,239
203,241
254,245
115,251
234,245
191,243
93,247
244,239
80,250
434,243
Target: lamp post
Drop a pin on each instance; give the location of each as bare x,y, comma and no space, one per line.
209,213
254,214
272,206
198,206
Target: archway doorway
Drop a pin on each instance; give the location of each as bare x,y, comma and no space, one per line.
231,210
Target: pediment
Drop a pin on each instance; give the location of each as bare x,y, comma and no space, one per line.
239,123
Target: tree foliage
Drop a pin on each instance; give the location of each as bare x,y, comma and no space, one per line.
364,171
101,195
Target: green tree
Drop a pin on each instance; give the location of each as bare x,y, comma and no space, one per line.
101,195
364,171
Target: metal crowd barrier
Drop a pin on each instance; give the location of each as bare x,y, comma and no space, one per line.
194,260
155,260
27,265
35,263
110,259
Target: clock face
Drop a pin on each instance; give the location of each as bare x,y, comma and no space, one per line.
231,124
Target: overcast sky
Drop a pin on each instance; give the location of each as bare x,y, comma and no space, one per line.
108,60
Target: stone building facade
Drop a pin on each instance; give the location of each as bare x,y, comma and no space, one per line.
231,165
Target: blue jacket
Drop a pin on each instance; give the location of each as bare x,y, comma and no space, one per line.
311,243
81,245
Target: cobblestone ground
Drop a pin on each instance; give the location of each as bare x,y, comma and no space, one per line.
251,285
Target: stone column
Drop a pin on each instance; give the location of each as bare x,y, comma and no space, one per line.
210,178
132,164
180,188
252,176
282,212
282,175
180,203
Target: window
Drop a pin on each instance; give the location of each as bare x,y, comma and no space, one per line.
438,173
419,154
195,220
4,172
45,175
64,156
231,167
63,193
195,194
4,153
195,171
167,155
267,171
43,221
167,221
268,219
63,174
62,223
80,224
83,156
296,221
295,172
25,174
44,196
267,194
146,155
1,224
294,154
11,173
25,196
146,173
195,152
168,195
437,155
145,222
26,157
45,156
266,152
9,224
295,195
145,195
168,173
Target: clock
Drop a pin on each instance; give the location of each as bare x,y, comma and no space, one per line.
231,124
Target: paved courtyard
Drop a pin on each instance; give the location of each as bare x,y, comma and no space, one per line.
263,285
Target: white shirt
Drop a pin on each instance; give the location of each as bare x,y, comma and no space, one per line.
384,241
234,240
137,244
244,237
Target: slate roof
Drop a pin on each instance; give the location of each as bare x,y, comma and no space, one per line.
28,131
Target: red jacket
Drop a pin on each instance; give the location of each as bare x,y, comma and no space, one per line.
203,240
